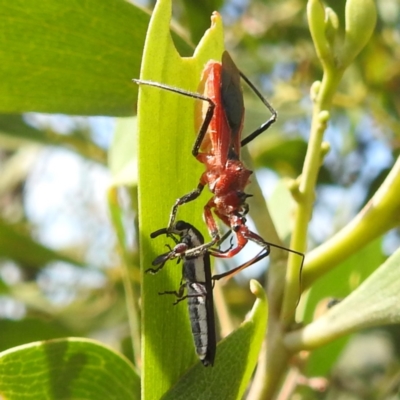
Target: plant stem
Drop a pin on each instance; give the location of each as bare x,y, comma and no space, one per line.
306,190
130,296
380,214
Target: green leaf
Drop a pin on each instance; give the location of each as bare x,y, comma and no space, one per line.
337,284
20,247
235,361
72,57
345,278
375,302
167,170
128,269
66,369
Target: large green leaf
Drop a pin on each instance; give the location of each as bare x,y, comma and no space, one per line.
344,279
73,369
375,302
72,57
337,284
167,170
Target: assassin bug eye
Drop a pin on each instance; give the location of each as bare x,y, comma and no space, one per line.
236,228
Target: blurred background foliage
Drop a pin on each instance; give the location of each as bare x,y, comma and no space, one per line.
60,269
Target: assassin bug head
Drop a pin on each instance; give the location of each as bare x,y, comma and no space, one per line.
170,255
190,238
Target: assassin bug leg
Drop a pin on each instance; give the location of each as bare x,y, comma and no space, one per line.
193,95
265,125
178,294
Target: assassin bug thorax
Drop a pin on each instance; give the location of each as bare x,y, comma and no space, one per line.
217,146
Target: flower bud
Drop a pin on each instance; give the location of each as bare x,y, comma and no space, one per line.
331,27
360,23
316,21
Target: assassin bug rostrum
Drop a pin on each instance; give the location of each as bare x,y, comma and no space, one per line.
217,146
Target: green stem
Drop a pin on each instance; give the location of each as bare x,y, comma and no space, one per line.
374,303
271,369
132,308
380,214
306,190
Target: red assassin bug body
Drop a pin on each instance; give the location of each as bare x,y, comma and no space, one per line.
219,150
217,146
